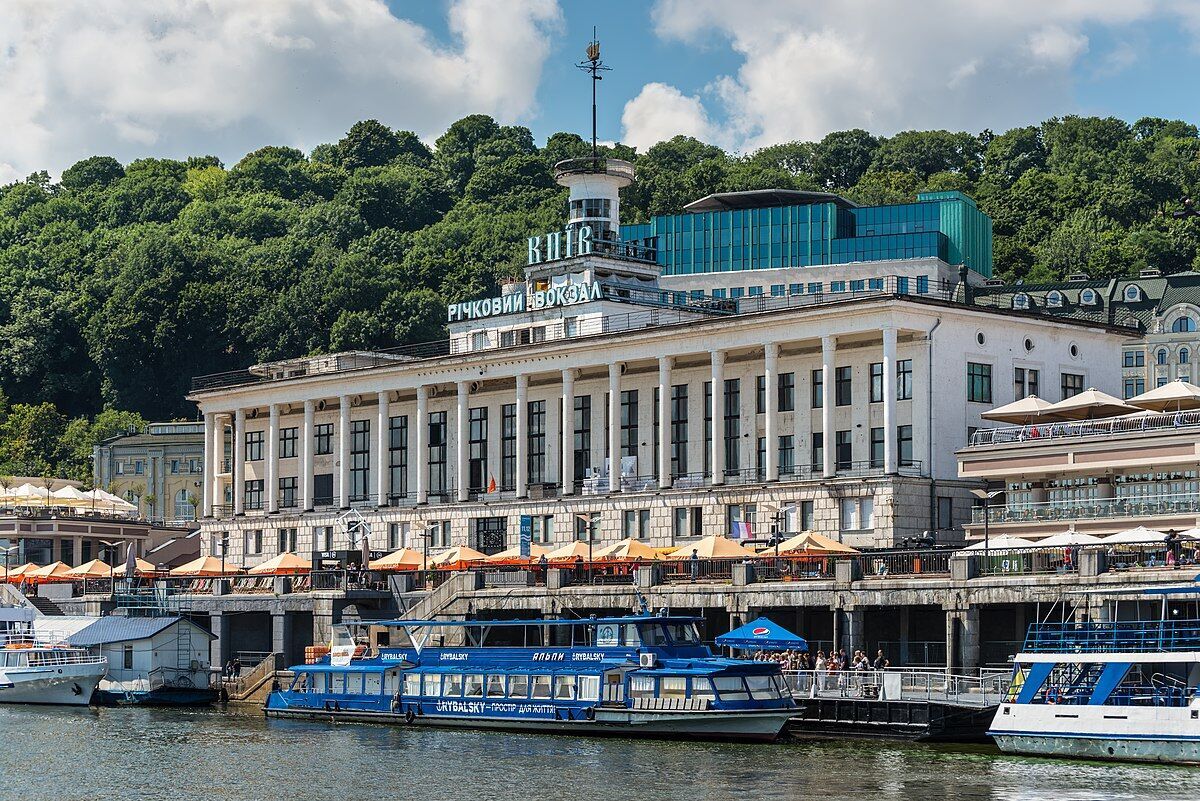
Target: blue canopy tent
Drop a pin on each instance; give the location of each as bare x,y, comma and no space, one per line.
762,634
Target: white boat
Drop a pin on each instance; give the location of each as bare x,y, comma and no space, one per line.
35,671
1108,690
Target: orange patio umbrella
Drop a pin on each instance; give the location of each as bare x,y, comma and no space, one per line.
15,574
285,563
204,566
403,559
713,547
512,556
143,568
570,552
97,568
457,557
628,549
55,571
810,543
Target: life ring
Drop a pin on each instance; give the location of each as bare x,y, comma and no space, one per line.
409,717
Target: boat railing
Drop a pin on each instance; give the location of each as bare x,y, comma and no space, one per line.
1121,636
43,652
984,688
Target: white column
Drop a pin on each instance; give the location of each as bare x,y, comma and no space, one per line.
771,424
717,474
210,466
382,433
237,472
664,421
889,400
344,452
614,427
568,432
827,435
271,490
422,426
522,404
460,443
306,458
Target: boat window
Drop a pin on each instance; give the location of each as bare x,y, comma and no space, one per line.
337,683
684,633
320,682
564,687
731,688
372,683
453,686
672,687
641,686
412,683
781,686
495,685
631,634
518,686
354,683
702,688
652,634
589,688
391,680
431,685
541,686
762,688
608,635
473,686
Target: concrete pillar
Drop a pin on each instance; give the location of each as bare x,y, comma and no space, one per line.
568,432
218,462
281,635
614,427
853,632
717,474
828,437
271,488
890,455
219,648
306,458
382,433
323,614
664,421
951,640
461,476
969,647
238,468
902,636
771,423
422,426
343,492
210,465
522,404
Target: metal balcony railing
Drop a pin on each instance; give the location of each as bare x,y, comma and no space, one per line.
1114,427
1114,637
1091,509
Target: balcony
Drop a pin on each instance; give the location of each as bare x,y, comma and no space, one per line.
1091,509
1112,428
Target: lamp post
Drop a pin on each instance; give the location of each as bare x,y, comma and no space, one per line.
780,516
112,552
7,550
986,496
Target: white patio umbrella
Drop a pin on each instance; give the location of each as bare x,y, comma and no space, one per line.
1068,538
106,500
70,496
1089,405
1135,536
1174,396
28,494
1001,543
1023,412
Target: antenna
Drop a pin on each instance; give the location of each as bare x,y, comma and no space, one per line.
594,66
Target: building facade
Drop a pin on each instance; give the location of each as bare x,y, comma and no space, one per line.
159,468
595,401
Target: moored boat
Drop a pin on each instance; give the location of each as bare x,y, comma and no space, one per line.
637,676
34,671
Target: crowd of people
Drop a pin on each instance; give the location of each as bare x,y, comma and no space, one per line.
833,662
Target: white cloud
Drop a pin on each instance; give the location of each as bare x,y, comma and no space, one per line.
660,112
886,65
179,77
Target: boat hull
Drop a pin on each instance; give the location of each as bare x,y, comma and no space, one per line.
69,685
163,696
1102,748
753,726
1124,733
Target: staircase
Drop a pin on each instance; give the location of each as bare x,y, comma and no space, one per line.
44,605
254,686
438,601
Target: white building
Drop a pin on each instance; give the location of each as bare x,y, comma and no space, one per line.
838,408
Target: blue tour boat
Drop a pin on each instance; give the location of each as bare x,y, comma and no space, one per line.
645,676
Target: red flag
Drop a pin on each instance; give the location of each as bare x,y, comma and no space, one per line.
491,484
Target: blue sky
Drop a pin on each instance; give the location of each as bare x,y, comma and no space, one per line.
175,78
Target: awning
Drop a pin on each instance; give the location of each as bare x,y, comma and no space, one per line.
763,634
1022,412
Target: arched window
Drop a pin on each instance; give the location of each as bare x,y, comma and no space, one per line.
1054,299
1161,356
1020,301
184,508
1183,325
1184,355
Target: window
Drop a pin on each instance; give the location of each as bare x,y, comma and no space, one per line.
1072,385
904,379
286,540
1134,358
398,456
635,523
1025,382
806,511
1134,386
945,513
629,422
287,442
323,537
857,514
508,446
787,455
876,382
737,514
841,386
287,492
479,340
679,430
174,466
127,657
818,450
537,442
254,493
760,394
1184,355
477,433
396,536
323,438
583,436
360,459
184,508
1054,299
733,425
542,528
587,527
844,453
437,453
439,534
904,445
818,388
876,448
786,396
254,446
1183,325
256,541
688,522
979,382
139,467
1161,356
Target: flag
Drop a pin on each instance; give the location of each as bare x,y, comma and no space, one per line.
491,484
741,531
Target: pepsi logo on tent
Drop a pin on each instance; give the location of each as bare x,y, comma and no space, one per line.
761,631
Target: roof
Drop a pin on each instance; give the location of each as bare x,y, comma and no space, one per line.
117,628
579,621
765,198
762,633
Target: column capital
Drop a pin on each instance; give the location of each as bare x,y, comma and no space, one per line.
310,405
828,341
666,362
718,357
614,370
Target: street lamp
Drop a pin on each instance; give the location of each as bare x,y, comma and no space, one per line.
112,552
780,515
7,551
986,496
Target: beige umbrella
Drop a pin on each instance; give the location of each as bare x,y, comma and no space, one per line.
27,494
457,557
1068,538
284,563
106,500
55,571
1135,536
1001,543
70,496
513,554
810,542
15,574
403,559
571,551
1089,405
628,549
97,568
1175,396
143,568
204,566
713,548
1022,412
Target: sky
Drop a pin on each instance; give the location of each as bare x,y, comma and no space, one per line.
173,78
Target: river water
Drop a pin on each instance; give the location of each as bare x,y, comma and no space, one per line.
208,755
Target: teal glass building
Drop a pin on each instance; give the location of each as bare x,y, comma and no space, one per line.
765,229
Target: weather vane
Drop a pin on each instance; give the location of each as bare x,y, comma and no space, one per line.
594,66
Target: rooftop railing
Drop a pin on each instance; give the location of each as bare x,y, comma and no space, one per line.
1091,509
1111,427
1113,637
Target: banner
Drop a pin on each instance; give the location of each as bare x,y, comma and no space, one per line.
526,535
